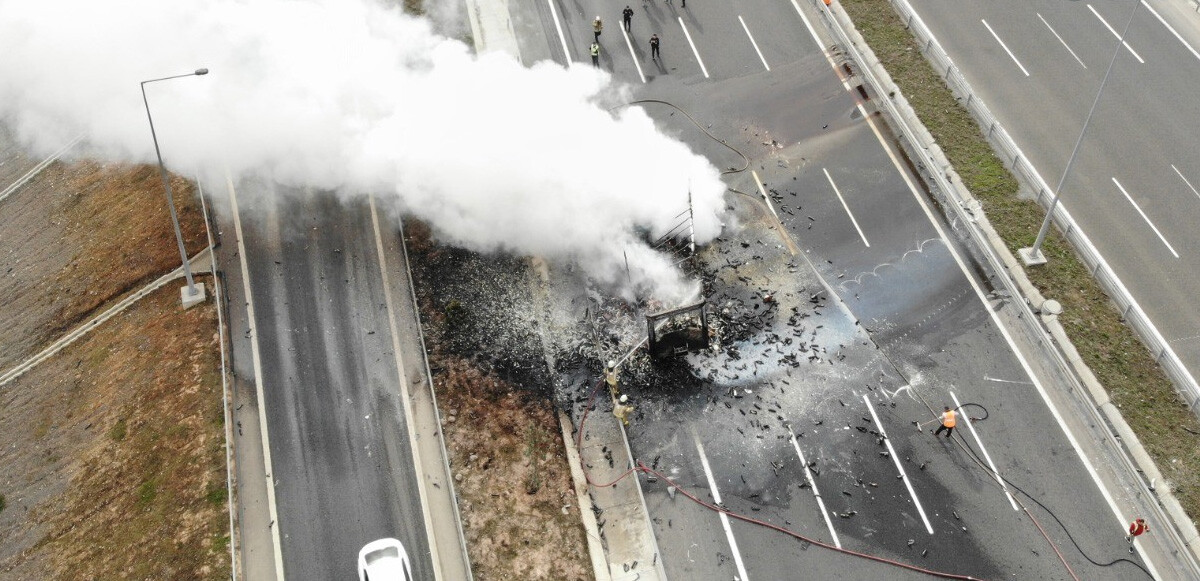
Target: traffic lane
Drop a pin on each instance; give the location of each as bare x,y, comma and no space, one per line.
856,205
1148,142
690,537
779,31
775,497
574,21
1089,193
676,56
759,475
951,347
1059,91
1154,132
693,539
1159,282
747,435
676,59
720,39
330,423
1058,88
535,32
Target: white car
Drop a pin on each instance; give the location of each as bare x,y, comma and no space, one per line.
384,560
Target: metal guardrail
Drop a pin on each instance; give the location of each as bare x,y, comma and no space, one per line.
1004,146
954,200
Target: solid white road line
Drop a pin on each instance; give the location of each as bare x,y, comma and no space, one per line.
847,208
406,398
809,26
256,359
631,53
712,485
962,266
758,182
760,55
703,69
1116,34
561,37
1185,180
1060,39
813,484
896,461
1144,217
1004,46
1172,29
986,456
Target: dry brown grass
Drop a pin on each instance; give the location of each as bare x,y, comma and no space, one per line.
77,237
507,456
113,465
512,479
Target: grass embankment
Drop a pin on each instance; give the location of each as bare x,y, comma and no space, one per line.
113,464
147,499
515,493
1163,423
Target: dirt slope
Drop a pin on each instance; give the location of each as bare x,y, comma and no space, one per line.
113,464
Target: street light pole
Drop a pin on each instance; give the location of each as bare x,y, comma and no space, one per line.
191,294
1033,255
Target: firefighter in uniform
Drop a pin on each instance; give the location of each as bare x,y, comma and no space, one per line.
623,409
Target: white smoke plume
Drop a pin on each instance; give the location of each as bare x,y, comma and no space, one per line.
354,96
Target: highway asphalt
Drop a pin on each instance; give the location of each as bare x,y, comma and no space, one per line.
1135,186
896,324
343,470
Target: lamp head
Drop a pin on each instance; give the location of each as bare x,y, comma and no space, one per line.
201,72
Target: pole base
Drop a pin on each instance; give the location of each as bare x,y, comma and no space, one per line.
1032,258
192,299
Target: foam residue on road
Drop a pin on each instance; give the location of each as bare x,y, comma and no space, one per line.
356,97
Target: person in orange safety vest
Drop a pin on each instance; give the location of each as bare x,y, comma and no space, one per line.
948,420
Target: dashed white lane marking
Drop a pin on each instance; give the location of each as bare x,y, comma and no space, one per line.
896,461
962,266
1117,34
561,37
1185,180
986,456
1004,46
846,207
758,182
712,485
816,493
632,54
703,69
1172,29
256,360
760,54
1060,39
1144,217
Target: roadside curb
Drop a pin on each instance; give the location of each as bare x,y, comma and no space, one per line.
620,527
586,508
963,203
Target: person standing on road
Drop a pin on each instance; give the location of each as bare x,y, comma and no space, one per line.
653,47
597,26
627,17
1136,528
948,421
595,55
